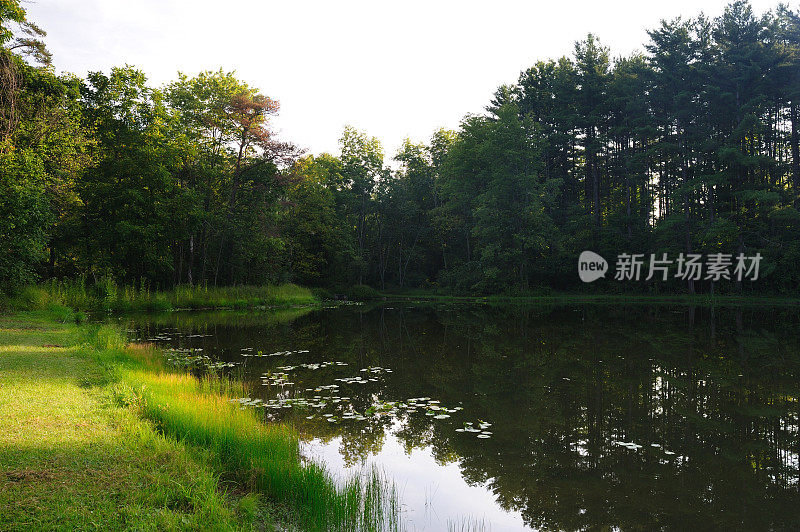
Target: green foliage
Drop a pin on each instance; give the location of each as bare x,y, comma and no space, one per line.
691,147
10,12
362,292
24,216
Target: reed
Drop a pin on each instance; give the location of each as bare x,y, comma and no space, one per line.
106,295
205,412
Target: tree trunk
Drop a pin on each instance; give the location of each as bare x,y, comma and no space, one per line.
795,147
596,193
191,260
687,206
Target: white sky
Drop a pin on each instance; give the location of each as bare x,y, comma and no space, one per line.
394,69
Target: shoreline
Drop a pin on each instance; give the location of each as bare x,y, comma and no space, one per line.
567,298
181,445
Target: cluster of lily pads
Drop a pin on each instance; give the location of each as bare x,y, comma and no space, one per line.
321,365
324,387
372,371
356,380
313,366
281,376
318,402
478,428
342,408
183,349
193,358
345,410
336,408
247,401
277,378
248,352
376,370
429,406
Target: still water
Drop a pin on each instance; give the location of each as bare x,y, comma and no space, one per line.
629,417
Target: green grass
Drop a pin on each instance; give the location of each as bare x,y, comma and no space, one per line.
238,297
108,296
71,459
95,433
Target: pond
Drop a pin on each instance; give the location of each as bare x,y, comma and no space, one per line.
545,417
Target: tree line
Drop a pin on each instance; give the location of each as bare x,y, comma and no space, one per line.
690,146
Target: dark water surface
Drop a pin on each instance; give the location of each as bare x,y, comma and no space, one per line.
600,416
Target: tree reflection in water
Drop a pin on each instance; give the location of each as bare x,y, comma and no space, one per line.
562,387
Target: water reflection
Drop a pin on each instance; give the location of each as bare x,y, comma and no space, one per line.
601,416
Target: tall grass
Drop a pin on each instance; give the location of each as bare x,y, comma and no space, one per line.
264,457
106,295
241,296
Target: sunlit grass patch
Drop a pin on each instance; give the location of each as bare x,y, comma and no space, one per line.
70,459
42,349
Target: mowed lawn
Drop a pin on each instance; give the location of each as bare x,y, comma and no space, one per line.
71,458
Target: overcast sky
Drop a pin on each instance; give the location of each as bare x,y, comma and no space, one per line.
394,69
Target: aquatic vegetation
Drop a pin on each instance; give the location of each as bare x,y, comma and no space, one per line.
355,380
203,412
478,428
247,352
376,370
322,365
340,408
278,378
195,359
334,408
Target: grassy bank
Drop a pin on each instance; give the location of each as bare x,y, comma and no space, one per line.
96,433
71,459
108,296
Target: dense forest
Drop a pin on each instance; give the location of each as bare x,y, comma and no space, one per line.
688,147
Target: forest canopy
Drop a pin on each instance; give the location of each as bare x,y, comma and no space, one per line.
690,146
